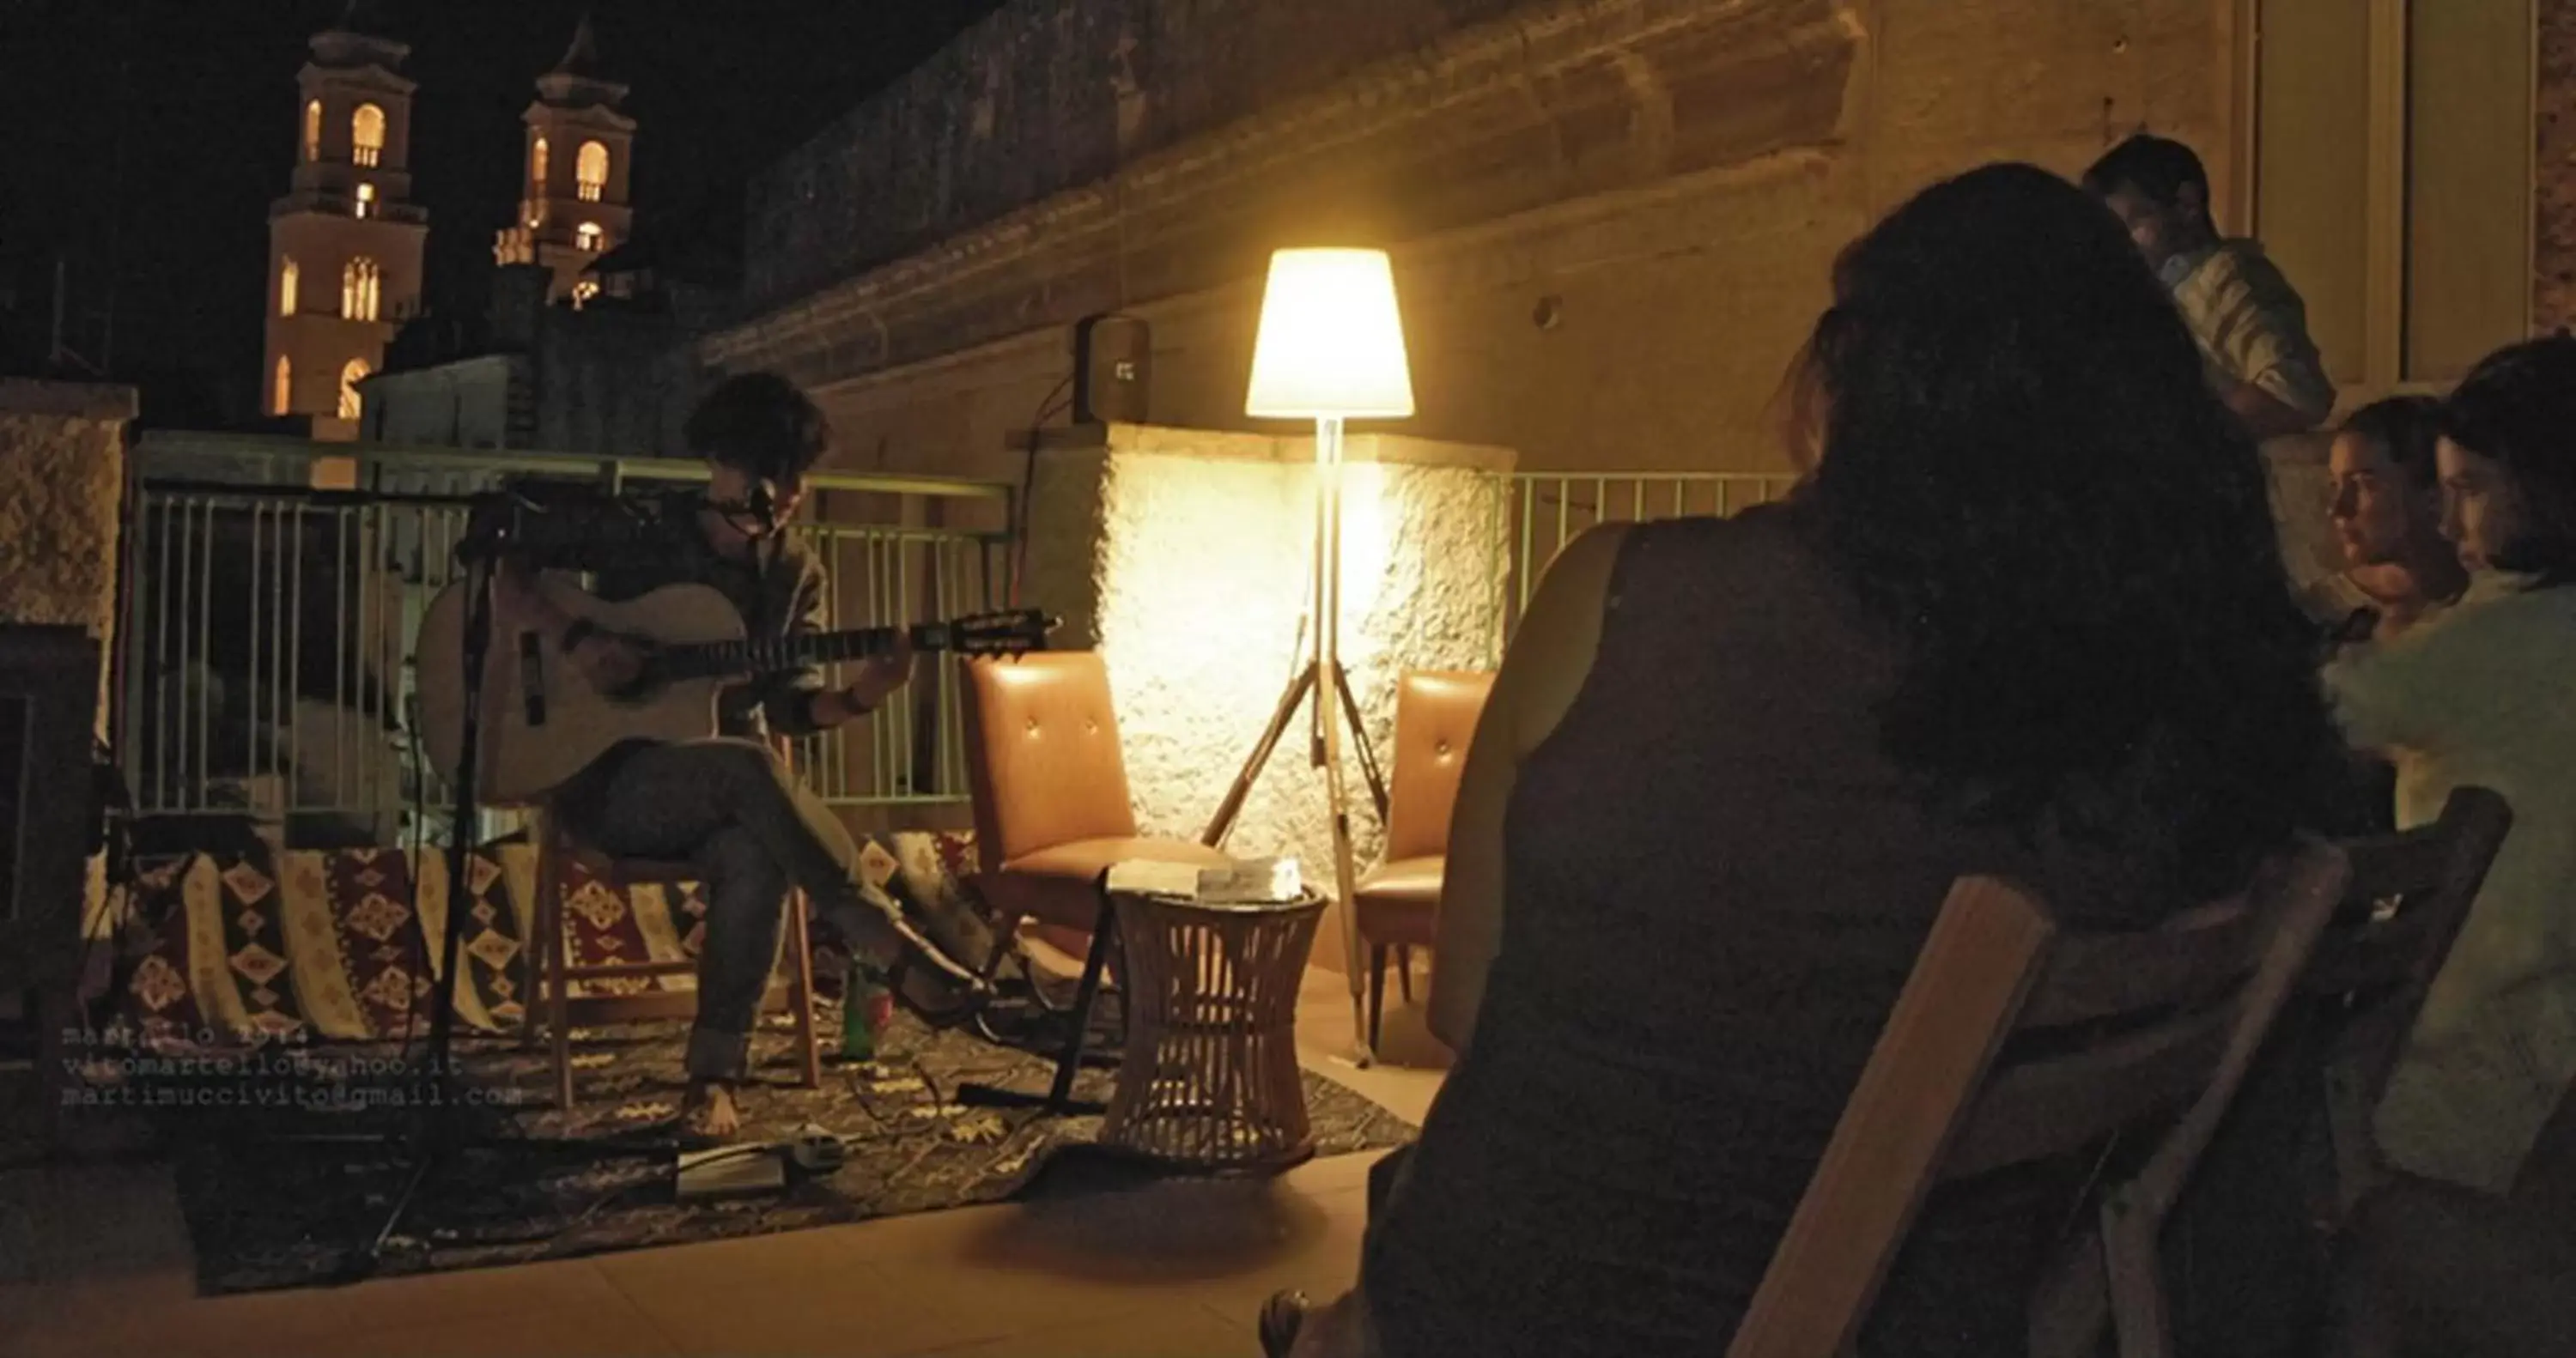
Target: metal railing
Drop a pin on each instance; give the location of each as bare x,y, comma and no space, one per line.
1544,511
274,587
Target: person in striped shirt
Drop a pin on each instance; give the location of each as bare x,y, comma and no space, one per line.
2251,324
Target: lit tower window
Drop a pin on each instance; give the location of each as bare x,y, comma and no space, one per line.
367,134
537,166
287,278
282,390
361,282
366,201
313,130
590,236
590,171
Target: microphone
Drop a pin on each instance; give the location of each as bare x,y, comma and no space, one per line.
762,503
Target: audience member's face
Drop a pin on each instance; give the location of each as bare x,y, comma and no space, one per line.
2160,230
2376,511
2481,507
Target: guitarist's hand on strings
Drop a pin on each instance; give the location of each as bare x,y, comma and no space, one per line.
878,678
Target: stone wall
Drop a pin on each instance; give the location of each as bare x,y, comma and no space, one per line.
1613,219
1049,95
1184,556
2553,302
62,457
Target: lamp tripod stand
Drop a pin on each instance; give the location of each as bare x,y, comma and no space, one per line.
1323,677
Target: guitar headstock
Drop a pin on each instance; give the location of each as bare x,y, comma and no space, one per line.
1011,632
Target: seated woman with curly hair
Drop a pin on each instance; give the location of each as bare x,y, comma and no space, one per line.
2026,615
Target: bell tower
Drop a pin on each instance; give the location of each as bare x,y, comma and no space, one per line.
344,258
579,152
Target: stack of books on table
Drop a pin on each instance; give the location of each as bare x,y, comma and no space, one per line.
1239,881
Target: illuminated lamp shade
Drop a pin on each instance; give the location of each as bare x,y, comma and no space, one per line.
1331,344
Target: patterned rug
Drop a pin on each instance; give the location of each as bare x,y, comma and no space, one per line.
298,1167
266,1002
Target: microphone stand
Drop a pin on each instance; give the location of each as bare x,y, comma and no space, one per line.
433,1135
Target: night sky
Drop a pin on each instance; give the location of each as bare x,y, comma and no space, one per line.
142,140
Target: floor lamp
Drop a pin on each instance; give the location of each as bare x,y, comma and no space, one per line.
1330,349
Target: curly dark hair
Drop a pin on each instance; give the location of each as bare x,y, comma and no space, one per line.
2405,428
2024,472
2517,408
760,422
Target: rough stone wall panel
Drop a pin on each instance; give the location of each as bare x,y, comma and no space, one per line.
1186,558
62,457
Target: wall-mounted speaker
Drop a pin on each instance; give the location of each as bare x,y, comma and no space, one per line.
1113,369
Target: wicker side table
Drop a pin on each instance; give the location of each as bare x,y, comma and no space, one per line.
1210,1078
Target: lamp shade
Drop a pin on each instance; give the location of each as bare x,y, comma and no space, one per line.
1331,344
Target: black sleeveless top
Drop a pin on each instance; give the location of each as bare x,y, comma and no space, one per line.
1716,885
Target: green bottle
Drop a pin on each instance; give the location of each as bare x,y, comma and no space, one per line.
866,1007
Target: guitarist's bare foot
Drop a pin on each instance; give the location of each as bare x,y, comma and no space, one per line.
709,1111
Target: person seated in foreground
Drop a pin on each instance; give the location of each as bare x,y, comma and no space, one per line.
2251,324
2386,508
728,804
2434,1269
2025,615
2481,697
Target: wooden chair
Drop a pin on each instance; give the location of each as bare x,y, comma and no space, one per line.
552,975
1397,904
1052,810
2167,1018
2409,895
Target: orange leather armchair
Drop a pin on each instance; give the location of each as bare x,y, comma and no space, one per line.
1052,811
1397,905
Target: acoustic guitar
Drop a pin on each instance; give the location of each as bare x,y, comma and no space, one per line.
543,722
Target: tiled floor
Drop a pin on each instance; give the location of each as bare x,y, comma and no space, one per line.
94,1260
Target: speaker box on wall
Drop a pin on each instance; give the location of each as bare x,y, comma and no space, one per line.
1113,369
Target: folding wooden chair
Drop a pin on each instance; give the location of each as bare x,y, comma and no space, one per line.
2409,896
551,974
2174,1014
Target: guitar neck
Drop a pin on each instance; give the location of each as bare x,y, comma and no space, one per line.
707,660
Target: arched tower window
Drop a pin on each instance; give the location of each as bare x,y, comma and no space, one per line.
537,166
361,283
350,377
589,236
287,278
367,134
590,170
281,394
366,201
313,130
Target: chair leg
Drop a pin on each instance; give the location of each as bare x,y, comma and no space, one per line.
1060,1095
1403,976
800,993
1006,931
558,994
1376,991
532,956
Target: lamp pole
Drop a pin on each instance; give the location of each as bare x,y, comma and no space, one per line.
1326,746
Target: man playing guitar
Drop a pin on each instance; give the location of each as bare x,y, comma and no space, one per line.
728,804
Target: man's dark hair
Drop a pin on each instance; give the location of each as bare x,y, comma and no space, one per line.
2405,428
2517,408
761,423
2158,167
